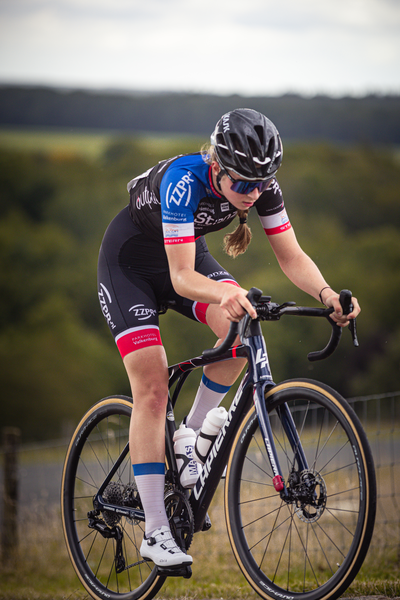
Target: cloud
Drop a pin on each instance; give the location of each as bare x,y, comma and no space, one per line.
226,46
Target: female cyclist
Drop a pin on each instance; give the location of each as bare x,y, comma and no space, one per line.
154,250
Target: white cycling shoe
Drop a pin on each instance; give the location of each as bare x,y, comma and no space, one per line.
162,549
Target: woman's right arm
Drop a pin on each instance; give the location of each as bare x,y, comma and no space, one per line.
190,284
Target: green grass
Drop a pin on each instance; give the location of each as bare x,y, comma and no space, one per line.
42,571
64,143
90,144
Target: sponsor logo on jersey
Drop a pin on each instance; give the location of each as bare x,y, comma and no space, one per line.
171,230
224,206
146,198
203,218
179,233
181,193
274,187
276,223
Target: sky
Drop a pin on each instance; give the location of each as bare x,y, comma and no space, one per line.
246,47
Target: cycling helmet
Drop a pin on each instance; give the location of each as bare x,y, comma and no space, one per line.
248,143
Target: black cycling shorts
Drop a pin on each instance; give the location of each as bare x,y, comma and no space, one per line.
134,284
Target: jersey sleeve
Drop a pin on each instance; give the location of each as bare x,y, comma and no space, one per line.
271,210
179,195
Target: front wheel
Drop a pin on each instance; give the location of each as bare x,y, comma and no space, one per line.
310,543
104,545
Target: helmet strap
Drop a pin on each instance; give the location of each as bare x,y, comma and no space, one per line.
219,177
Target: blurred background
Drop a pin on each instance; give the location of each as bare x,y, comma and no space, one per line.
93,93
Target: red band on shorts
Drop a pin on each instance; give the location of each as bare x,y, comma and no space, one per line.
200,308
137,338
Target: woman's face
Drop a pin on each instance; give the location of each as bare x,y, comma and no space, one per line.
239,201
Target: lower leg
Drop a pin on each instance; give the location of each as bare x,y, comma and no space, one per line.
147,430
218,377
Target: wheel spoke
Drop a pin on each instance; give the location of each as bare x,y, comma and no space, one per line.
105,548
295,541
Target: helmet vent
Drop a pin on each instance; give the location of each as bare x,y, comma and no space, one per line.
260,132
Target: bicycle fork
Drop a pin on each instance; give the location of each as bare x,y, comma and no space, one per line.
262,379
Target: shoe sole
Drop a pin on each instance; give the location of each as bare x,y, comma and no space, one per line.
165,566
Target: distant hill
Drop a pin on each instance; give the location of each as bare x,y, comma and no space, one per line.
371,119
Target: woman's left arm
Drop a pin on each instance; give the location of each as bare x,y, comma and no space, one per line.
305,274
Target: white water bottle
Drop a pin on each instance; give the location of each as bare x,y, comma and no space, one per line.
184,441
208,433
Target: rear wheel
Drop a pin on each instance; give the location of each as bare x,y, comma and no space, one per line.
104,546
310,544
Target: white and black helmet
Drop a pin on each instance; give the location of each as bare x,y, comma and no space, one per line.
248,143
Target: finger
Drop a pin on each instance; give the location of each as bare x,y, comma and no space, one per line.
249,308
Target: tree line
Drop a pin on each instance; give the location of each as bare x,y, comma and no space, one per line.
371,119
57,355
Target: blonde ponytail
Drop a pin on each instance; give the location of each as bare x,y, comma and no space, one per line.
237,241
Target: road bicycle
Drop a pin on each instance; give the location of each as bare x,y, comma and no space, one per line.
299,495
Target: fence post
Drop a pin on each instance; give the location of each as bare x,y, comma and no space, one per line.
9,538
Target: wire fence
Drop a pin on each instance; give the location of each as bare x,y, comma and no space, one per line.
380,417
39,471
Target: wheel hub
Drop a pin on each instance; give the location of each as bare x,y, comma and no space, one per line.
308,494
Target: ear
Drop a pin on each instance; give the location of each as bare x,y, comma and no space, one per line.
215,167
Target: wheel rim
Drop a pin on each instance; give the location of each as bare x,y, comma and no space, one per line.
313,541
100,439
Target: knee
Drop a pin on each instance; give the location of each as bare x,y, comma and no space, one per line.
151,397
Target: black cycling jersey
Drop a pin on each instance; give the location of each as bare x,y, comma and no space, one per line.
175,202
176,199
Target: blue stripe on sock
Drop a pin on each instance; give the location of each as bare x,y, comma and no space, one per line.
149,469
215,387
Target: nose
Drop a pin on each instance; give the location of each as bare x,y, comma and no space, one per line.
254,194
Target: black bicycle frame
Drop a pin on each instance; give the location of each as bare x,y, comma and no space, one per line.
253,387
256,382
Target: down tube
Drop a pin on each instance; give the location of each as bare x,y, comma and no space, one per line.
214,466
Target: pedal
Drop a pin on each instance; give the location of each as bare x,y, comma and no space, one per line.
178,571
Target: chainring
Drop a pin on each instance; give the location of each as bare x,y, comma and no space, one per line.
180,517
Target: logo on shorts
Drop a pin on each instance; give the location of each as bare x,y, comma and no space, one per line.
142,313
104,296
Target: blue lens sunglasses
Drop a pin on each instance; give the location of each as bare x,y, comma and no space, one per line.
246,187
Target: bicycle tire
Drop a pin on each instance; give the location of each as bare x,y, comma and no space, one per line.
313,547
97,442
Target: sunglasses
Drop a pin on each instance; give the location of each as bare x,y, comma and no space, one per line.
246,187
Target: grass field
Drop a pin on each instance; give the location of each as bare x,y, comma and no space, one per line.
90,144
42,571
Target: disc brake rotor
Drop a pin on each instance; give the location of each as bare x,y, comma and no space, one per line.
310,496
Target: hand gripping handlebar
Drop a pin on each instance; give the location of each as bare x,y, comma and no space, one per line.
347,306
253,296
270,311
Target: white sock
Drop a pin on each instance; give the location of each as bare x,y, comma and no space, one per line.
209,395
150,481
